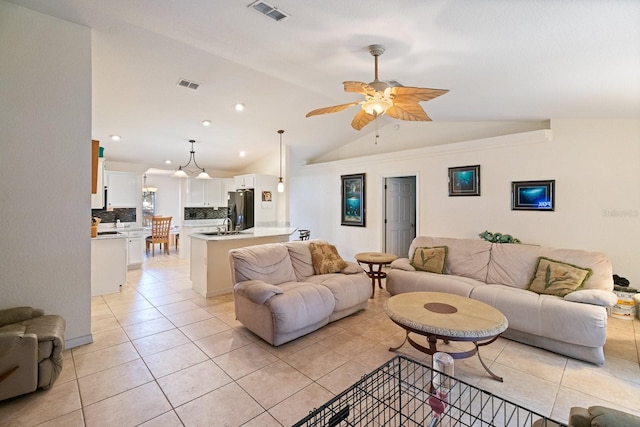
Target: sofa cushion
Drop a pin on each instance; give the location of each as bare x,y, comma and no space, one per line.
512,264
553,277
325,258
269,262
300,305
301,257
430,259
593,296
465,257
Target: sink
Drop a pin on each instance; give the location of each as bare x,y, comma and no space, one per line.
106,233
220,233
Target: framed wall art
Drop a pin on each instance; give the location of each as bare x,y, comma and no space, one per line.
464,181
353,200
533,195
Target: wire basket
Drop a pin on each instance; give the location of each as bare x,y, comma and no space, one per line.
400,393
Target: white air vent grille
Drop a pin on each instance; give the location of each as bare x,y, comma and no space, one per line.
189,84
268,10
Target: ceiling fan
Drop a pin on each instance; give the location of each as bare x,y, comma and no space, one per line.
380,97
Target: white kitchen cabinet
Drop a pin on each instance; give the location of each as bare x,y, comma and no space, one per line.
122,189
97,199
135,248
245,181
205,193
108,265
228,185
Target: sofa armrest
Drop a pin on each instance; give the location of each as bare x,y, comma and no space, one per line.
257,291
403,264
579,417
593,296
18,314
352,268
18,364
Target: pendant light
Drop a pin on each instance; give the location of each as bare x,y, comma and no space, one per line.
280,183
182,170
146,189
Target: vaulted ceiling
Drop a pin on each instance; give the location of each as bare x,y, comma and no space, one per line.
502,60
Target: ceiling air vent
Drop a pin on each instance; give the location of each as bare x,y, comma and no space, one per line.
268,10
189,84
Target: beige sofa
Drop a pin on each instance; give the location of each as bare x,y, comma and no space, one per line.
499,274
31,346
279,297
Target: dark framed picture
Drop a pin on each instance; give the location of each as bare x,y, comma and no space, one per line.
533,195
353,200
266,196
464,181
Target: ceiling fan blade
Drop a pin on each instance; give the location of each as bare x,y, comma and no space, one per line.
361,120
416,94
333,109
359,87
411,111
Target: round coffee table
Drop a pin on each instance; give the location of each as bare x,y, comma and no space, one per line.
447,317
375,261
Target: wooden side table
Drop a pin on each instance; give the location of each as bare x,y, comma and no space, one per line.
374,262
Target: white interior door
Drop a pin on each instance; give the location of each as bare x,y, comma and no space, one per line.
400,214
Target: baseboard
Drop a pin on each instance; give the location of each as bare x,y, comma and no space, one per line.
77,342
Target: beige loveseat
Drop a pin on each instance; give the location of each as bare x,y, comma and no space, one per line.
31,346
499,274
279,297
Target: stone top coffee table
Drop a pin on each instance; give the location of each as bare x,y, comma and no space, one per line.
448,317
375,261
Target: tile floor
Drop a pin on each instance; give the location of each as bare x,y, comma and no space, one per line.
164,356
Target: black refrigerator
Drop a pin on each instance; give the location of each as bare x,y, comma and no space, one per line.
241,209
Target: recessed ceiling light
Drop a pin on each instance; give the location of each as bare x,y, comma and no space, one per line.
243,153
167,162
206,123
239,107
115,137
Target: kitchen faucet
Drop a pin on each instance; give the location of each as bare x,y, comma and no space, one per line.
227,223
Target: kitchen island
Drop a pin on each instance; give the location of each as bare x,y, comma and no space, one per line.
210,270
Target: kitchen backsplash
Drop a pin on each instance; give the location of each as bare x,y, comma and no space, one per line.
204,213
123,214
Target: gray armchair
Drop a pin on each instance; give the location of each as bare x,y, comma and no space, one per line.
31,346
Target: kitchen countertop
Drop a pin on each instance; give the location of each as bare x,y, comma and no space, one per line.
249,234
201,222
109,236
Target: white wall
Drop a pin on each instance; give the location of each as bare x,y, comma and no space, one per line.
594,162
45,166
167,196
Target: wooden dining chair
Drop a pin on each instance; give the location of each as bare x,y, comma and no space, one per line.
160,230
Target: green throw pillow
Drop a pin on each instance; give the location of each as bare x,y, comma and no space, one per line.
432,260
557,278
606,417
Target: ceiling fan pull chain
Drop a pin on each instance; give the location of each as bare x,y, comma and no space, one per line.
377,133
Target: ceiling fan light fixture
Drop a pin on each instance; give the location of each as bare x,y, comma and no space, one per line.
377,107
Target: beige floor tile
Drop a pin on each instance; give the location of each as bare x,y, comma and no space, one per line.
187,317
90,363
155,290
263,420
205,328
193,382
190,294
144,329
159,342
230,319
343,377
223,342
132,317
568,398
72,419
315,361
112,381
174,359
598,382
273,383
224,308
287,348
177,307
130,306
166,299
524,389
544,364
168,419
298,406
102,340
68,372
228,406
375,356
40,406
130,408
244,360
104,324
